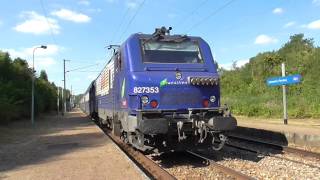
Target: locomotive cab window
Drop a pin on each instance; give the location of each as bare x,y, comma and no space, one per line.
171,52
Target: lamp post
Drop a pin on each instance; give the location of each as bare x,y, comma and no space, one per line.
32,93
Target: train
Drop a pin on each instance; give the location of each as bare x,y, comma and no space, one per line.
161,92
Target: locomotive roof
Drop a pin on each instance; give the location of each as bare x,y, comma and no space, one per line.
143,36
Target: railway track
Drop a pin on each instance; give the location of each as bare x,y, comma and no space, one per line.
148,166
276,147
224,169
154,171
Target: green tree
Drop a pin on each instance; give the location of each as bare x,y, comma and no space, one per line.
246,91
43,75
15,90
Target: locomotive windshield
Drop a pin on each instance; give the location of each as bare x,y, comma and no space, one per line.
171,52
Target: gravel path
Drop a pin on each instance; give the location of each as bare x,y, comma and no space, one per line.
69,148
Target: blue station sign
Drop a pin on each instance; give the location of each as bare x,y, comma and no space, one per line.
286,80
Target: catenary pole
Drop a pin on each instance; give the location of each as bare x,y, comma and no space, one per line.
58,101
64,87
284,97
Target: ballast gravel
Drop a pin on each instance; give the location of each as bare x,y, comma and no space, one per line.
279,166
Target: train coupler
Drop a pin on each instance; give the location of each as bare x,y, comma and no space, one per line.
179,127
218,146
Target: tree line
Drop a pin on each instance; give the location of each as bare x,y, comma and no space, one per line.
15,90
244,88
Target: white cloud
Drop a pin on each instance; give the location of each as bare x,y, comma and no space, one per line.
94,10
277,11
73,16
111,1
242,62
51,50
172,15
239,64
43,57
316,2
91,77
37,24
84,2
44,62
264,39
314,24
132,4
77,79
289,24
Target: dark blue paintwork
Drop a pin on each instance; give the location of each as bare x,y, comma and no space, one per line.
171,97
134,73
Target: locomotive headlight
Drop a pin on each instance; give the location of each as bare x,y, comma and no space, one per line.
207,81
198,81
212,99
144,99
193,81
211,81
217,81
203,81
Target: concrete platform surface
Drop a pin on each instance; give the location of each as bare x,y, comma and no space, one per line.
69,148
300,126
298,132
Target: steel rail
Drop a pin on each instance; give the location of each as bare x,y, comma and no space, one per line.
148,166
268,154
285,149
224,169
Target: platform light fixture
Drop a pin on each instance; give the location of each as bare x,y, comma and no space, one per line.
33,71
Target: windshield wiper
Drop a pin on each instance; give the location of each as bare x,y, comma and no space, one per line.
177,39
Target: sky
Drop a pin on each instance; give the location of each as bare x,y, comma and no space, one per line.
79,30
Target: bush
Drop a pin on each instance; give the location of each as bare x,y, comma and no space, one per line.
245,90
15,90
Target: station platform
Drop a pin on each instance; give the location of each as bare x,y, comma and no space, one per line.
303,133
72,147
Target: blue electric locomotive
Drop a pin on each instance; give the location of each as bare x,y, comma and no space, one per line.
161,91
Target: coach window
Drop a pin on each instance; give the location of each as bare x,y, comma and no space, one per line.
110,79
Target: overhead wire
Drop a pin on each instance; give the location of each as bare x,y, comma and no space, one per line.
120,24
84,67
48,22
216,11
245,19
132,18
86,71
193,12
